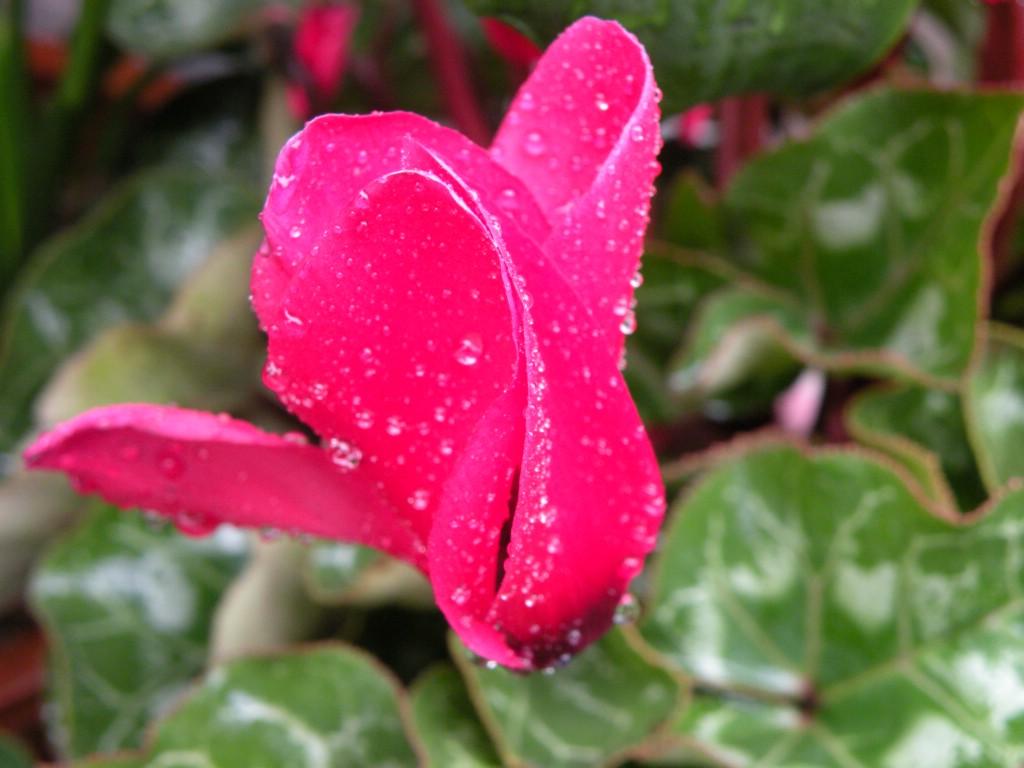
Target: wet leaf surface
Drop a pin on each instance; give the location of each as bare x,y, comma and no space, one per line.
126,606
884,635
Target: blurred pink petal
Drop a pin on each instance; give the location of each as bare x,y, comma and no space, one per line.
322,39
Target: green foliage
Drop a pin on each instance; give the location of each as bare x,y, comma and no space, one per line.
706,49
852,625
606,703
127,606
123,262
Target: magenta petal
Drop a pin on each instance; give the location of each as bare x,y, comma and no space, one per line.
591,498
322,169
397,336
546,520
203,469
583,134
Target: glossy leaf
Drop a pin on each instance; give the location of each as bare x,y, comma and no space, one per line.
876,227
736,360
122,262
994,404
323,706
705,49
606,704
820,582
167,28
924,428
320,706
447,725
127,609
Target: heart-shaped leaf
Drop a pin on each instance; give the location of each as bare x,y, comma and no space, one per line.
606,704
875,229
859,628
126,606
325,705
447,724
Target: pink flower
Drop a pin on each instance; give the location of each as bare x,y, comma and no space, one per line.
449,320
322,40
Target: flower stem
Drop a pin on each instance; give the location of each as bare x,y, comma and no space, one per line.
15,117
452,72
63,115
742,121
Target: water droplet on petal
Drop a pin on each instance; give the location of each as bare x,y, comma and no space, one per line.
419,499
295,232
170,465
195,523
343,454
469,349
534,144
460,596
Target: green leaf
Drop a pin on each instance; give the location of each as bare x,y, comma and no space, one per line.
705,49
350,574
603,706
126,605
874,632
447,724
13,754
122,262
872,228
324,706
666,302
333,568
925,429
994,404
736,361
205,352
318,707
162,29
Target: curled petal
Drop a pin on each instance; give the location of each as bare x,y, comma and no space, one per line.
397,336
203,470
583,134
546,519
322,169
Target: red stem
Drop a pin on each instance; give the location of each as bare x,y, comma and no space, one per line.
1001,62
1002,50
446,56
741,123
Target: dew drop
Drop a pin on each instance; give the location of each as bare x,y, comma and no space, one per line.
469,349
601,104
170,465
573,638
637,132
195,523
636,280
419,499
343,454
460,596
394,426
627,611
364,419
534,144
295,232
